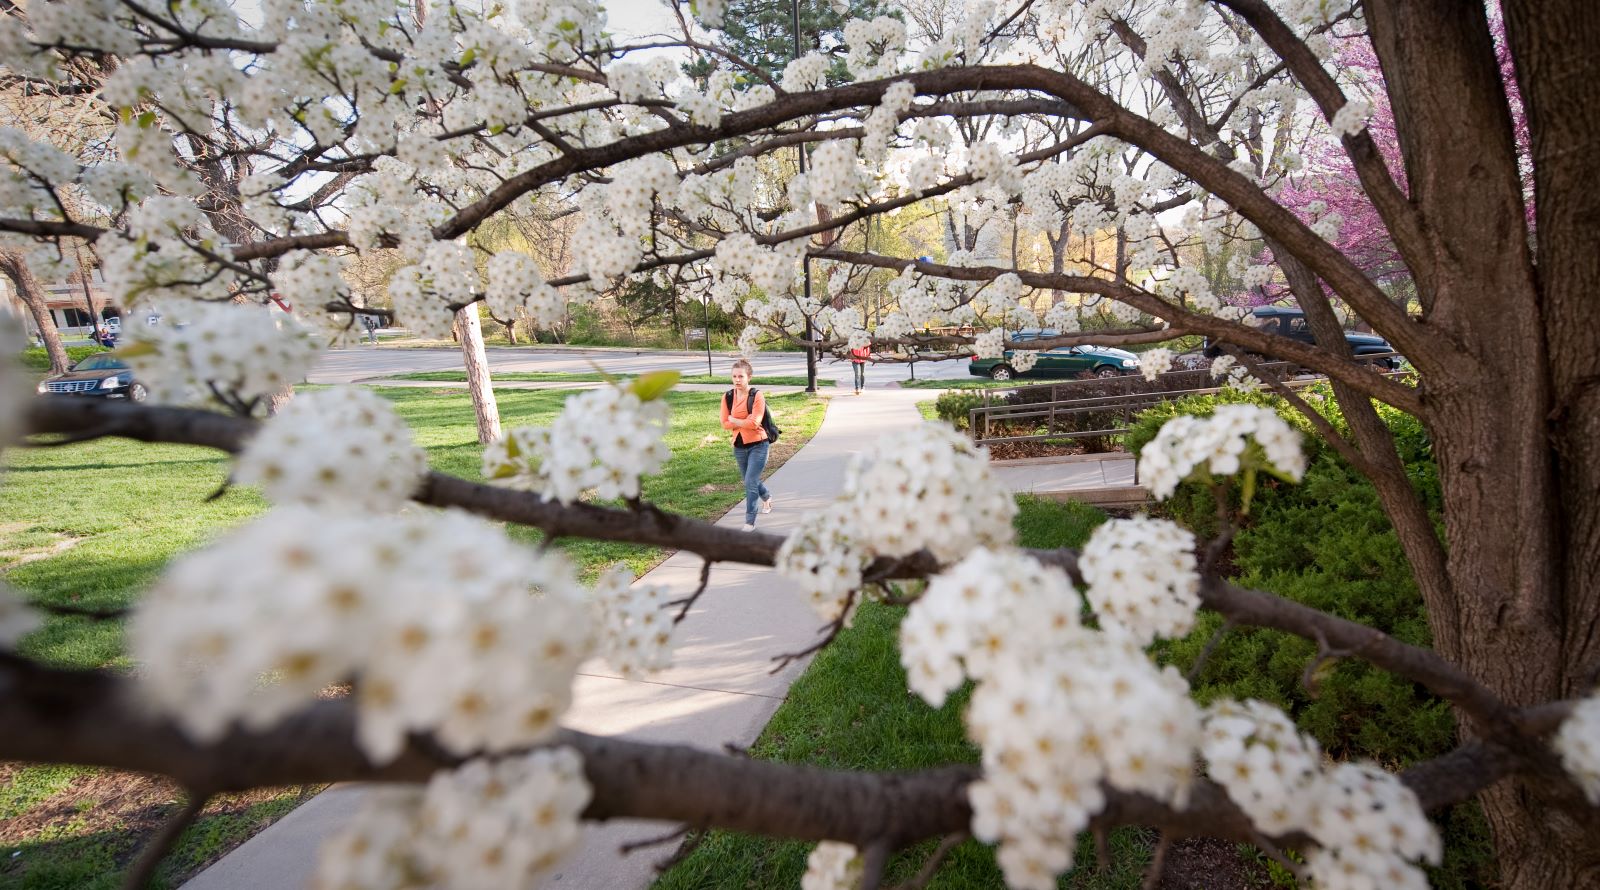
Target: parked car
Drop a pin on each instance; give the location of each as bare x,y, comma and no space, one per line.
1063,361
1291,323
101,375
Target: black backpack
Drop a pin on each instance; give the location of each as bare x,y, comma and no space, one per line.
750,405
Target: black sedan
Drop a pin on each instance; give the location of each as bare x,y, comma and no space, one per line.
101,375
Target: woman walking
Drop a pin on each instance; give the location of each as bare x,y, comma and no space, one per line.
858,364
742,411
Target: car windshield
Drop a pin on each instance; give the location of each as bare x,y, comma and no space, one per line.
102,362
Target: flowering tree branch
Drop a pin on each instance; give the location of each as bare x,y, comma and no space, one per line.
1240,605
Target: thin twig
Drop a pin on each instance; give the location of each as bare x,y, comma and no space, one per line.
688,602
1225,528
920,880
1211,646
145,868
1325,654
1277,855
684,850
830,632
873,861
629,847
1158,863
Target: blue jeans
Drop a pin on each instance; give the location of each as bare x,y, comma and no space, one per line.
752,460
861,375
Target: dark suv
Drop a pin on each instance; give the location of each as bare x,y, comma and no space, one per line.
1291,323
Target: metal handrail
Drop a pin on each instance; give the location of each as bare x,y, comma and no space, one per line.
1122,404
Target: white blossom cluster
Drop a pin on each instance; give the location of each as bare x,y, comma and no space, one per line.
604,440
1578,743
423,293
635,628
1369,828
808,72
339,449
875,46
429,613
17,619
1221,445
517,289
490,823
1023,360
1142,577
1351,118
824,558
1155,362
1268,768
1014,627
832,866
311,282
925,488
1370,831
246,352
990,344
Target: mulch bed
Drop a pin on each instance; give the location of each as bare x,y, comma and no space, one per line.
1208,863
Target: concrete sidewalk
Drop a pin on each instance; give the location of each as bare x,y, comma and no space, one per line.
719,691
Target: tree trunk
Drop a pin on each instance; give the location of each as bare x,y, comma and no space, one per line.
15,268
511,332
477,362
1512,618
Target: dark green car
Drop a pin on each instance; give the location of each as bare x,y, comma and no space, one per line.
1064,361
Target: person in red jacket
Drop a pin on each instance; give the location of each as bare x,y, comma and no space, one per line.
742,413
858,363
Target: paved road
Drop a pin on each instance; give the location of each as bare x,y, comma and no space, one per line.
357,363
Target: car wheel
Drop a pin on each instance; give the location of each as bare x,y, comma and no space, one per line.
137,392
1001,372
1106,371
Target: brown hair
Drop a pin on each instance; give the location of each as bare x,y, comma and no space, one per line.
745,364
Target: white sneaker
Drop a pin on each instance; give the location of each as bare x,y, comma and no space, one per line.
766,505
748,527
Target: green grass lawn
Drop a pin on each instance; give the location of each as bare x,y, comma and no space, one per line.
589,377
926,409
851,710
35,358
92,524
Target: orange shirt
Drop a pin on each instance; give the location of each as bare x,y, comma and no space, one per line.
746,423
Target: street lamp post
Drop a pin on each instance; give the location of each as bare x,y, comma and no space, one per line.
707,333
805,258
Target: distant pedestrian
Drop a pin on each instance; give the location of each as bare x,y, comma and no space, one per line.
104,337
370,322
743,410
858,363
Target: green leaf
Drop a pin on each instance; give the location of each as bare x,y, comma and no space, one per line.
654,385
468,56
504,471
609,378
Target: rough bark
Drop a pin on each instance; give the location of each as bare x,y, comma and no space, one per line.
1490,411
15,268
473,356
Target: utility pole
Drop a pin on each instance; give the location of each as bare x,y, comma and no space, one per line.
805,258
707,333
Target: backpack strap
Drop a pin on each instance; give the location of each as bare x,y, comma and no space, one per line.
750,402
727,400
